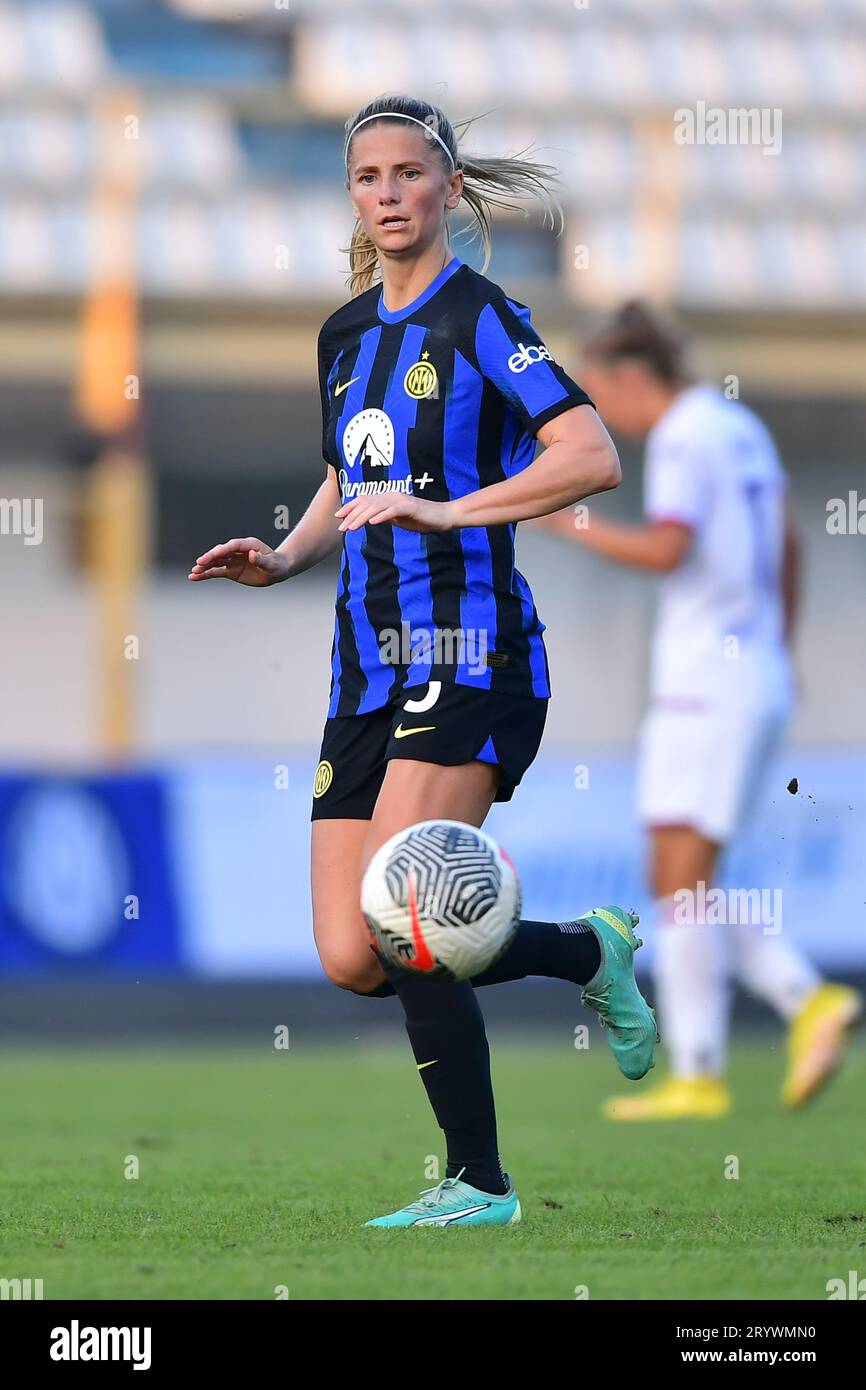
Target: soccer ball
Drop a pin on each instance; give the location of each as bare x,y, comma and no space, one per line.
441,899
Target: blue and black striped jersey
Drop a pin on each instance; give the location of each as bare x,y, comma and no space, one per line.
440,398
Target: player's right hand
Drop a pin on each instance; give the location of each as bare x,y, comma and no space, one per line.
246,560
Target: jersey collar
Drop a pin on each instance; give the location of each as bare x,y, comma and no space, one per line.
396,315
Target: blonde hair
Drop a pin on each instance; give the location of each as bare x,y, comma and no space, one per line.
488,182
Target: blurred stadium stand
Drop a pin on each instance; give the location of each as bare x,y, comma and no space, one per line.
242,104
235,110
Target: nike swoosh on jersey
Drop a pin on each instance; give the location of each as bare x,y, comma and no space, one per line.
400,732
345,386
422,1065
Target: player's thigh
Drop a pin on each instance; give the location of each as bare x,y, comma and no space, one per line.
675,764
748,739
414,791
682,857
473,748
677,793
347,781
340,932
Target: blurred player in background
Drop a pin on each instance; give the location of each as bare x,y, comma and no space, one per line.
719,530
434,388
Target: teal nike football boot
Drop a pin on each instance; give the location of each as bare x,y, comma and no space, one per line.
613,992
454,1203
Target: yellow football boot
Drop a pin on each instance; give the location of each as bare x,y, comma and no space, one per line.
677,1098
816,1039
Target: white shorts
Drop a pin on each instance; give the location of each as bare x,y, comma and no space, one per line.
701,763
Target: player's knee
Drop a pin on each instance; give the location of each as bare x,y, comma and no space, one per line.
352,972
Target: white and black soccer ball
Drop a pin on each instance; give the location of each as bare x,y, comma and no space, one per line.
441,899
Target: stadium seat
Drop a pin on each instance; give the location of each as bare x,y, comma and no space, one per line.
63,44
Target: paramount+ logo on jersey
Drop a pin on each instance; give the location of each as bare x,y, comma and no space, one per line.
525,356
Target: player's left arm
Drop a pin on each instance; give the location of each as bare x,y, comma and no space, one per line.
579,459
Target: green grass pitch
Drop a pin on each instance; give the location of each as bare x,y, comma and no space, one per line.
257,1169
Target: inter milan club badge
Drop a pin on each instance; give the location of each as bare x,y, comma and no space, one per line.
323,779
421,381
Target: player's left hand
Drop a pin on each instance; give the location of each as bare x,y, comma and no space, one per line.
400,508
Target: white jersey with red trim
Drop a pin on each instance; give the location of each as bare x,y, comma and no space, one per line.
712,464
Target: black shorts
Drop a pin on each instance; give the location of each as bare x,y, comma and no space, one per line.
437,722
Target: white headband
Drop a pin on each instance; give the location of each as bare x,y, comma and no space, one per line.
397,116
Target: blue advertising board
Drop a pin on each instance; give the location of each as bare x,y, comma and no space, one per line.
86,876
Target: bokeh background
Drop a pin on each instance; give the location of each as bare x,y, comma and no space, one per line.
172,231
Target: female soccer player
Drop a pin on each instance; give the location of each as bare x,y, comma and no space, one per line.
434,388
719,531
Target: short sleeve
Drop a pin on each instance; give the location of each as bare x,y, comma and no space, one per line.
512,356
676,485
327,357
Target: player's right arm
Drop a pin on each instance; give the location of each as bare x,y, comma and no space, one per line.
659,546
247,560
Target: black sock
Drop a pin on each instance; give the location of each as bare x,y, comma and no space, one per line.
383,991
564,950
446,1030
